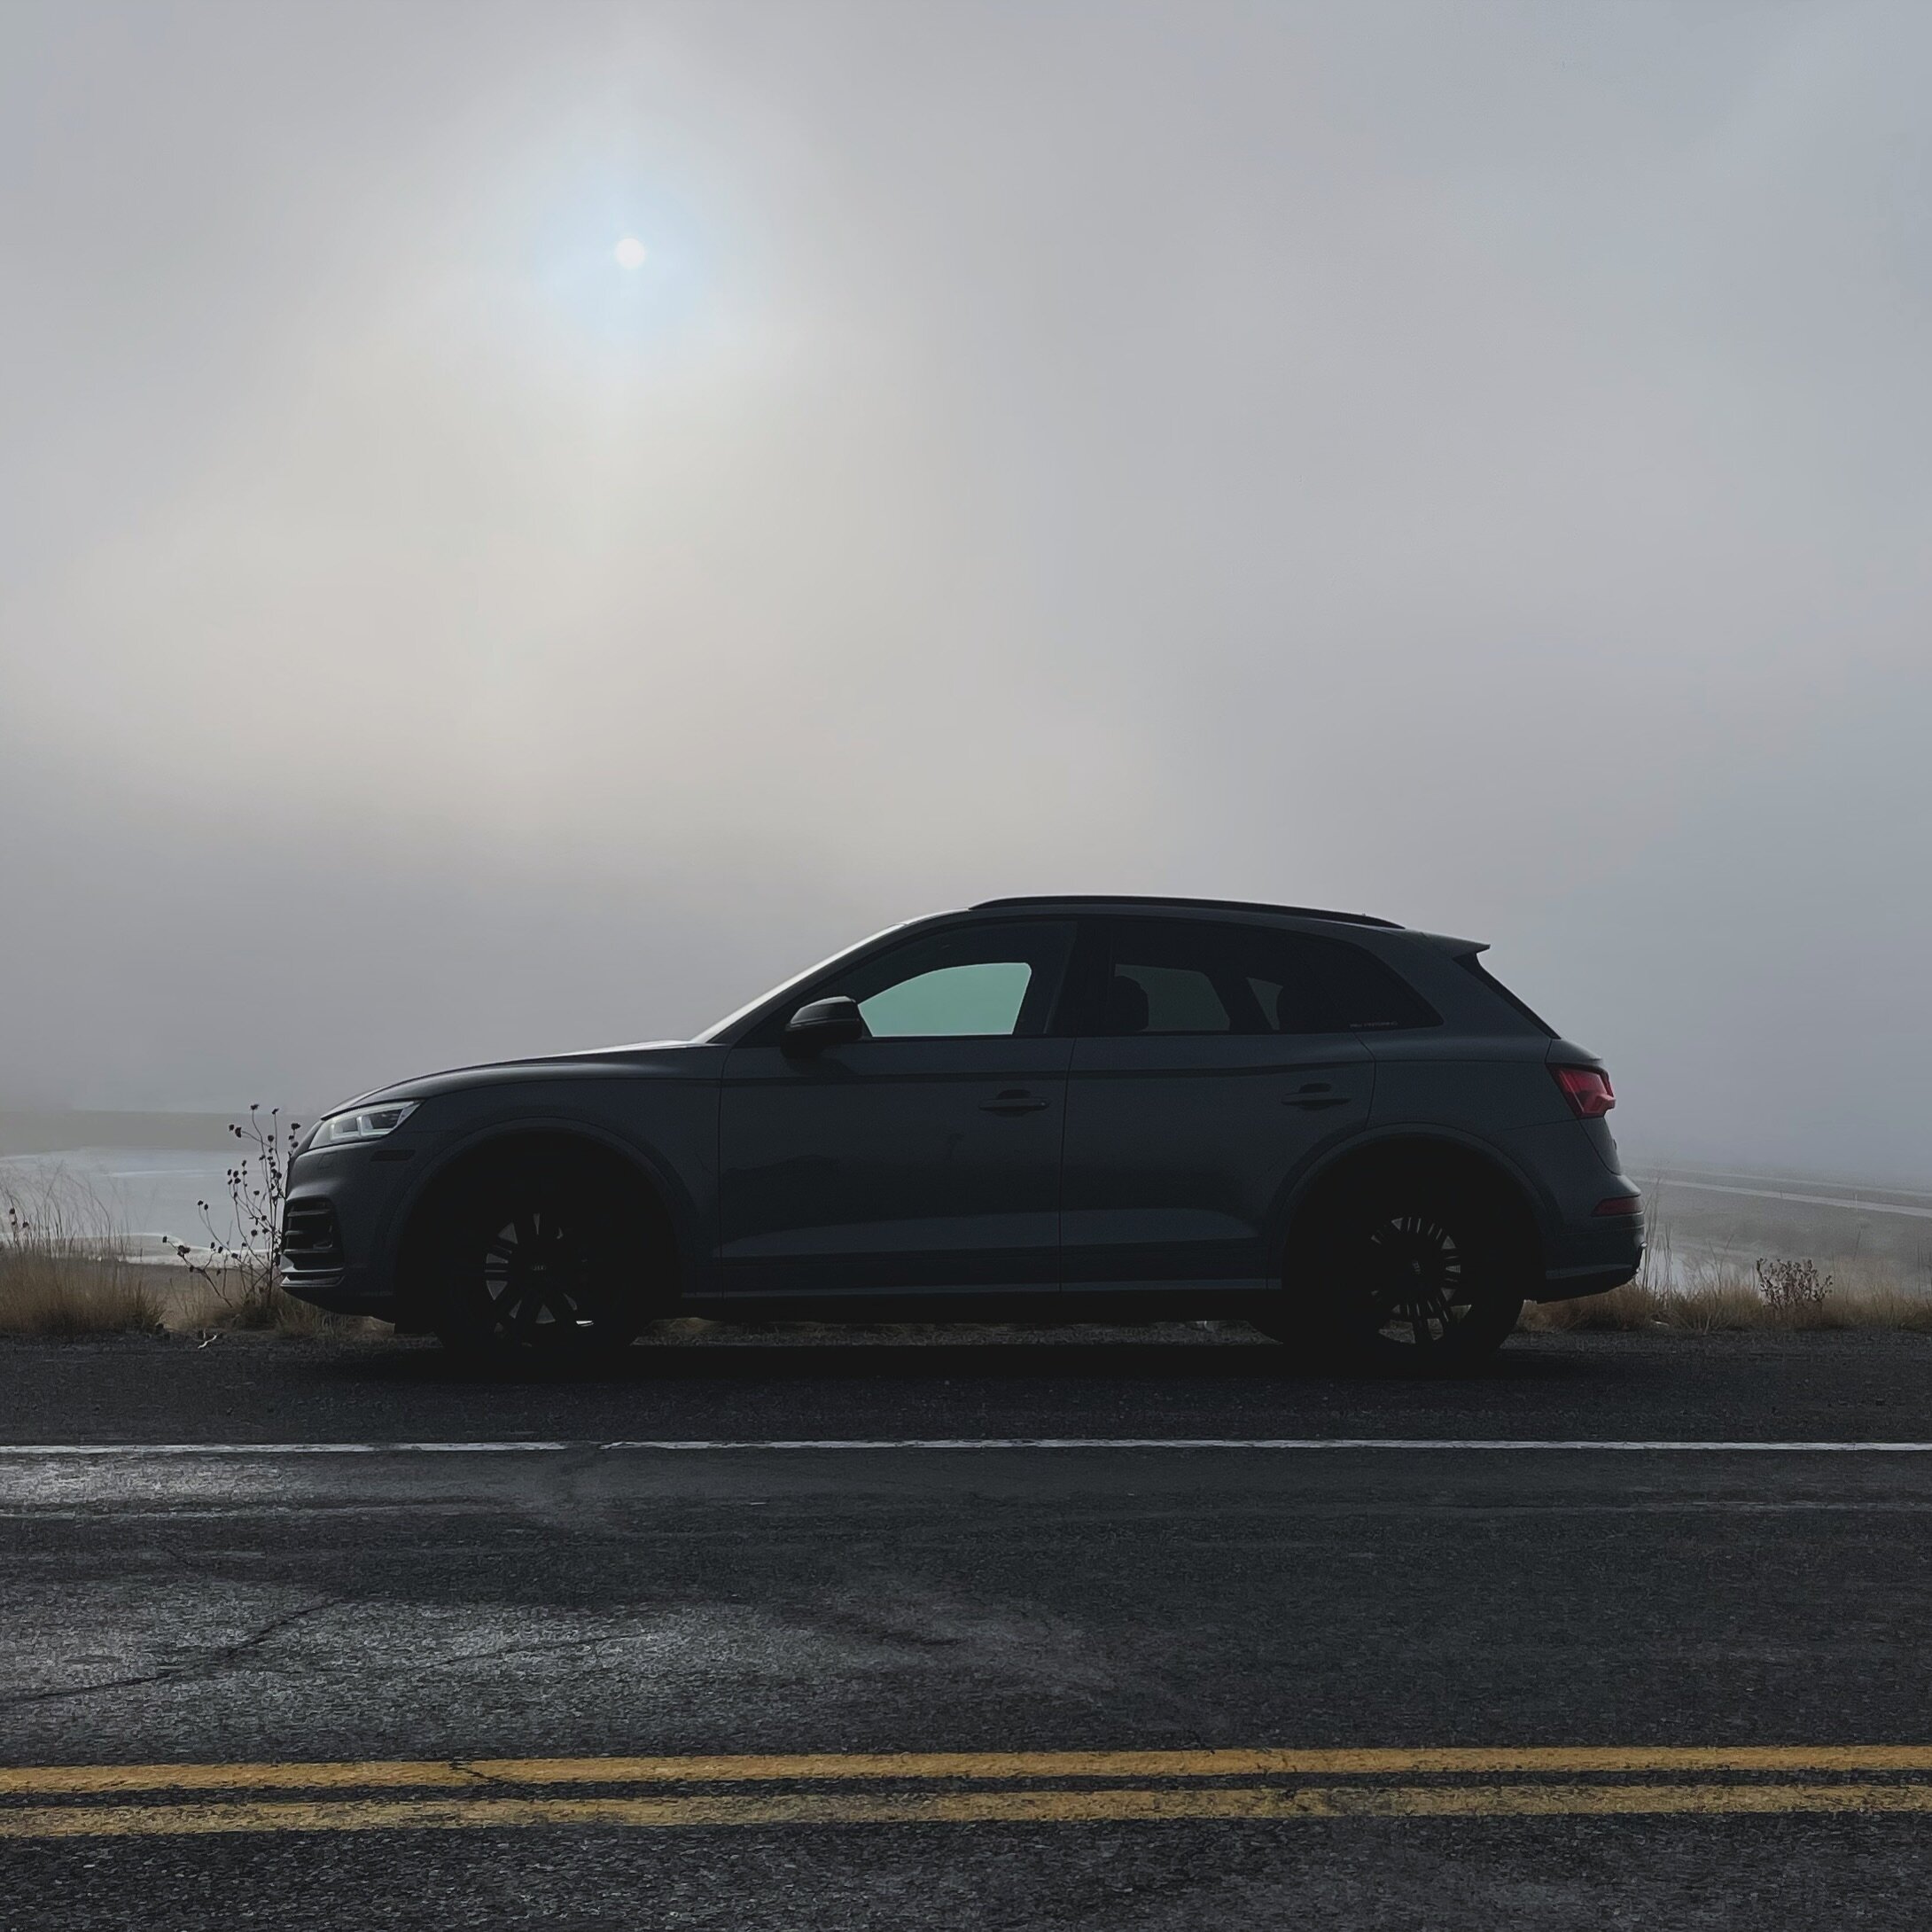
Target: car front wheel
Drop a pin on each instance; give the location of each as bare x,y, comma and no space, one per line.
536,1264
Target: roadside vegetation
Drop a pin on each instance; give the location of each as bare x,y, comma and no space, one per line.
235,1269
60,1272
1711,1296
67,1268
54,1281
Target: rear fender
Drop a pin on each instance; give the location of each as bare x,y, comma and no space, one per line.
1389,1144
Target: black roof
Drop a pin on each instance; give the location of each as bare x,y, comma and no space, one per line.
1212,905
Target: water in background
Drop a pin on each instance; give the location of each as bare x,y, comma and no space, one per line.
143,1196
1708,1224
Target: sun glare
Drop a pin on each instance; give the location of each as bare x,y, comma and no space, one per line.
629,252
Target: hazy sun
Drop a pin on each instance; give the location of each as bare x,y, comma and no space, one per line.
629,252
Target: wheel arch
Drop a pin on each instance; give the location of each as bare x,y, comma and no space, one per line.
669,1214
1406,1151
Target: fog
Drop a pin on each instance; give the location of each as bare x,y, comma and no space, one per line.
1466,463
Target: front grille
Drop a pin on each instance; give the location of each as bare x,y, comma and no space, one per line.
311,1241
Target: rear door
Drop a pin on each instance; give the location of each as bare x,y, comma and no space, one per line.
1214,1061
926,1157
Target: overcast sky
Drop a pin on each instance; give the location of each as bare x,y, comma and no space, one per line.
1467,462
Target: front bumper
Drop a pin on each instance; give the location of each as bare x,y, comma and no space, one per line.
345,1211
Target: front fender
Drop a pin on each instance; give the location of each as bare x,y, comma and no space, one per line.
679,1166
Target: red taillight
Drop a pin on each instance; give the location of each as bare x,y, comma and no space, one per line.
1620,1203
1588,1089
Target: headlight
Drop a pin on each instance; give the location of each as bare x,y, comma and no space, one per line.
362,1123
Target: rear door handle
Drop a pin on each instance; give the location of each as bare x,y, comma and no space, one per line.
1315,1095
1015,1100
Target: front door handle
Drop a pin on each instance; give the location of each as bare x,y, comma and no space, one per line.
1015,1100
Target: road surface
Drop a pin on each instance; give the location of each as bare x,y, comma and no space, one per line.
264,1662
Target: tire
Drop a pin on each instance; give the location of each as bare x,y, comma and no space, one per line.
538,1264
1415,1274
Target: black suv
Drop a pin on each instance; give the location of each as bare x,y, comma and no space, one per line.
1342,1131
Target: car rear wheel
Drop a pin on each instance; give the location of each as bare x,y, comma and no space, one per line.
537,1264
1410,1274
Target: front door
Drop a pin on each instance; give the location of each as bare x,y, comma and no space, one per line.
925,1158
1216,1061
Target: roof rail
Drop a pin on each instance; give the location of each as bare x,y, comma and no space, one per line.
1217,905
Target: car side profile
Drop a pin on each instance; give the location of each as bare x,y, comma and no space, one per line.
1074,1109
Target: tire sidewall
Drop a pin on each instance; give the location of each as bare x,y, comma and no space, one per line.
464,1318
1330,1308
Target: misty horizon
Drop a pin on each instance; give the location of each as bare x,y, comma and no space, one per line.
1465,466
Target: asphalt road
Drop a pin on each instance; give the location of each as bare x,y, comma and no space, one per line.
1437,1685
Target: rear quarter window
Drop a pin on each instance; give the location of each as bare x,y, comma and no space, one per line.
1472,964
1349,991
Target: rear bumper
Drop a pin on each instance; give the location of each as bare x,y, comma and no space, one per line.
1594,1258
1573,1169
1569,1285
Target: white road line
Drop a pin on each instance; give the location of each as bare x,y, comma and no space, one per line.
1815,1200
136,1450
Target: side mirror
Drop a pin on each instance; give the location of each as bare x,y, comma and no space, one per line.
820,1024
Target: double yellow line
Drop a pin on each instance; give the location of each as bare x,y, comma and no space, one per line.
61,1801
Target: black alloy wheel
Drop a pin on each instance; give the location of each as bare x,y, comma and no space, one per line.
1412,1276
537,1265
1418,1281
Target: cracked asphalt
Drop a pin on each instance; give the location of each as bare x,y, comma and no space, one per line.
253,1609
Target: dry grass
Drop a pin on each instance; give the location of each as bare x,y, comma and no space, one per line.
64,1293
1732,1299
65,1271
241,1300
42,1293
61,1272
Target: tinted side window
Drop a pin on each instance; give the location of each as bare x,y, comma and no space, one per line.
985,996
1175,998
1476,971
1160,975
964,982
1344,990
